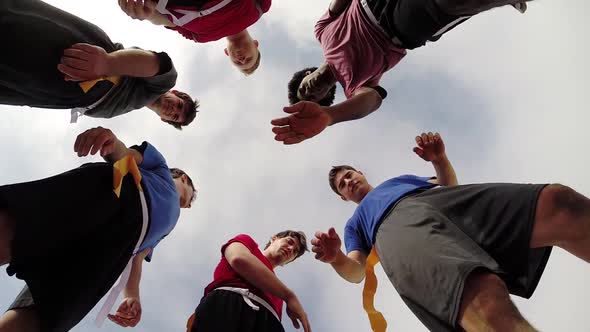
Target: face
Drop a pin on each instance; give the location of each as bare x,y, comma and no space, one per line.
285,249
242,54
353,186
171,108
313,87
185,192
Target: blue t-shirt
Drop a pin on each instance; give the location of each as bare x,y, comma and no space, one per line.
161,194
361,228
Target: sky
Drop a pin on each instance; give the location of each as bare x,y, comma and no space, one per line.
507,92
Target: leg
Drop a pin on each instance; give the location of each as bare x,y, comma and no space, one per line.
6,236
472,7
562,219
20,320
486,306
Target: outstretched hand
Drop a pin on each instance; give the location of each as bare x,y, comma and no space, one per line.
326,245
138,9
94,140
128,314
83,62
430,147
307,119
297,314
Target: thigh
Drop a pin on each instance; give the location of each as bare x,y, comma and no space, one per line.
471,7
223,311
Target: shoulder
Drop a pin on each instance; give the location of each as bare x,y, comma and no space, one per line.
244,239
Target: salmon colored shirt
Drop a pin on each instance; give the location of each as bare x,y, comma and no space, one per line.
357,52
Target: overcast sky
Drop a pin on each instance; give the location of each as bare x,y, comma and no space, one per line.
508,93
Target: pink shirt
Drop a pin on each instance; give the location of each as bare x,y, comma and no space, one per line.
357,52
229,20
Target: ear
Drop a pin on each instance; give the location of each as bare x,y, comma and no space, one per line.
256,43
174,91
343,198
162,119
184,178
226,51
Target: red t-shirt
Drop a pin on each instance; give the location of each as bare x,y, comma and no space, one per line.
356,51
225,276
229,20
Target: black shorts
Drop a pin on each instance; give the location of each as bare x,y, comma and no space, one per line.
226,311
414,22
430,242
73,239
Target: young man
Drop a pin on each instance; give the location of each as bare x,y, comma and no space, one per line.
245,294
204,21
455,252
70,236
363,39
53,59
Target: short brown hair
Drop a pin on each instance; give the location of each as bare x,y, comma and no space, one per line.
191,109
295,234
332,175
177,172
251,70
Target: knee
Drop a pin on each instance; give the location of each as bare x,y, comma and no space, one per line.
485,296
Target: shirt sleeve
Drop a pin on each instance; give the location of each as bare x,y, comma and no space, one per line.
264,5
164,80
353,239
243,239
152,158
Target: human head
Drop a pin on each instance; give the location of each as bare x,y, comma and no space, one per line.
184,185
323,94
176,108
243,52
349,183
294,242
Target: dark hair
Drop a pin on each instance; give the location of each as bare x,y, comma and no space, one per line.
177,172
295,81
295,234
332,175
191,106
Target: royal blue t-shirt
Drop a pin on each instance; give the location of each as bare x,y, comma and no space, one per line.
361,228
161,194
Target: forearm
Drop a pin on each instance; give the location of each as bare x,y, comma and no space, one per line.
132,286
359,106
133,62
444,172
348,269
251,269
338,6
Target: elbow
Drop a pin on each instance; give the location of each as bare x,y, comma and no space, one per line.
237,263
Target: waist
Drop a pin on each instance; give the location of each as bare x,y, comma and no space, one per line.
368,11
249,297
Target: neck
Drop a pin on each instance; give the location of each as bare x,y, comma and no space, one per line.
274,261
365,195
238,36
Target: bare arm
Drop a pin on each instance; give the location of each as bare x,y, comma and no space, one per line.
253,270
132,286
431,147
364,102
338,6
352,267
133,62
101,139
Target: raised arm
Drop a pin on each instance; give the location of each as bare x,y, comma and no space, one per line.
350,267
129,311
432,148
338,6
254,271
307,119
83,62
101,139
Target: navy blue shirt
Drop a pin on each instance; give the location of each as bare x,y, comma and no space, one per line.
361,228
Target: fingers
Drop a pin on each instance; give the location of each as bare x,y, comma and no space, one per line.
419,152
72,73
85,47
280,122
293,317
332,233
294,140
74,63
294,108
93,140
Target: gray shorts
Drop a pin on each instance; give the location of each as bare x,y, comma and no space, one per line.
430,242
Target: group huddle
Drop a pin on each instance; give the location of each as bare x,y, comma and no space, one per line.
454,252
